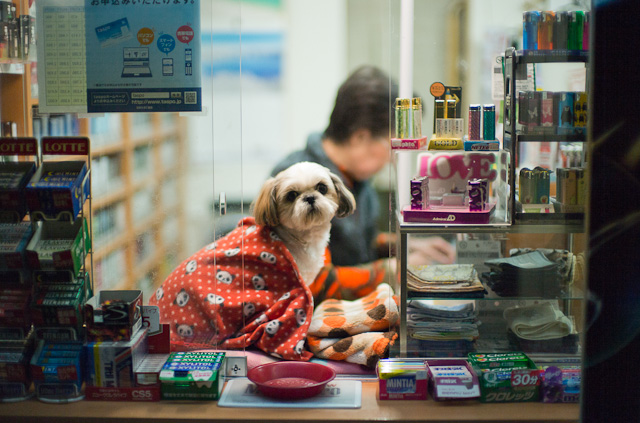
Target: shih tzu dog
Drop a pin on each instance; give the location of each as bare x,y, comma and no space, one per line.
242,289
299,203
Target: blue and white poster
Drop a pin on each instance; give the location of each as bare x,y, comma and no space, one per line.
100,56
143,55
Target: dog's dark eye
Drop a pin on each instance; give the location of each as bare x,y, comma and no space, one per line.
322,188
291,196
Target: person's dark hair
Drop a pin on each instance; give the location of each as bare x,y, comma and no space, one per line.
364,101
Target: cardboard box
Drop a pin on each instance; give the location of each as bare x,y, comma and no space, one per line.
60,304
113,315
402,380
506,377
452,379
112,364
58,190
182,382
14,239
54,363
59,245
14,177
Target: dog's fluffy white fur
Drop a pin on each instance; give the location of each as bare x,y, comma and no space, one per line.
299,203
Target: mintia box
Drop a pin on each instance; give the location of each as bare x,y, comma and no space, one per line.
58,189
452,379
14,177
508,377
58,245
187,376
560,384
402,380
113,364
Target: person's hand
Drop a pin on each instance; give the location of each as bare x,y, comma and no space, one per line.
430,250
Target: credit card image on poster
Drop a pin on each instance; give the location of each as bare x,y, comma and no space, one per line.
113,32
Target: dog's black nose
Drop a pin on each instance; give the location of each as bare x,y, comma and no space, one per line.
310,199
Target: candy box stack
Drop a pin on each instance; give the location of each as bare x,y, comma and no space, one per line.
507,377
114,315
57,371
15,374
14,177
58,189
193,376
113,363
57,303
402,380
58,245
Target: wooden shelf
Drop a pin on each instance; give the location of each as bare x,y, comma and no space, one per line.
208,411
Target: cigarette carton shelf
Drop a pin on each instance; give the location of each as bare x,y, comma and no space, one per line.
440,314
127,139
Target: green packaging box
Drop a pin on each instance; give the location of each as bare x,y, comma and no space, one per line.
508,377
186,380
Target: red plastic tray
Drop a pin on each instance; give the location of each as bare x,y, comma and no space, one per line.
291,379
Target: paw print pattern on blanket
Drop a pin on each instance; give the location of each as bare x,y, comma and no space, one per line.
372,313
242,290
357,331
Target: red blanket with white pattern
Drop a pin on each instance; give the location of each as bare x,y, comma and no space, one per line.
241,290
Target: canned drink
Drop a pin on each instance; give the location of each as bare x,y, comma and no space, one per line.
489,122
451,109
403,118
475,113
477,194
576,29
416,118
565,112
542,179
439,112
420,193
530,22
581,186
527,186
561,31
545,30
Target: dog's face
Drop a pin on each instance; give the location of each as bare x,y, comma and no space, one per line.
301,197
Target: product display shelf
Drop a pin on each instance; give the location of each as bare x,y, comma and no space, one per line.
514,133
135,141
17,97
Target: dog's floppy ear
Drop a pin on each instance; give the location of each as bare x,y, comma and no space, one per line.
265,208
346,202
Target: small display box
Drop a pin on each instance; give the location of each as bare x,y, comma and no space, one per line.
15,313
402,379
113,364
464,187
58,302
58,189
560,383
14,177
452,379
193,376
114,315
506,377
59,246
14,239
56,369
15,375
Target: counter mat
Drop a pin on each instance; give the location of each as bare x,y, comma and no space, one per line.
337,394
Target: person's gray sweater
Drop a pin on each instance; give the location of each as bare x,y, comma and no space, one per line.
352,237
